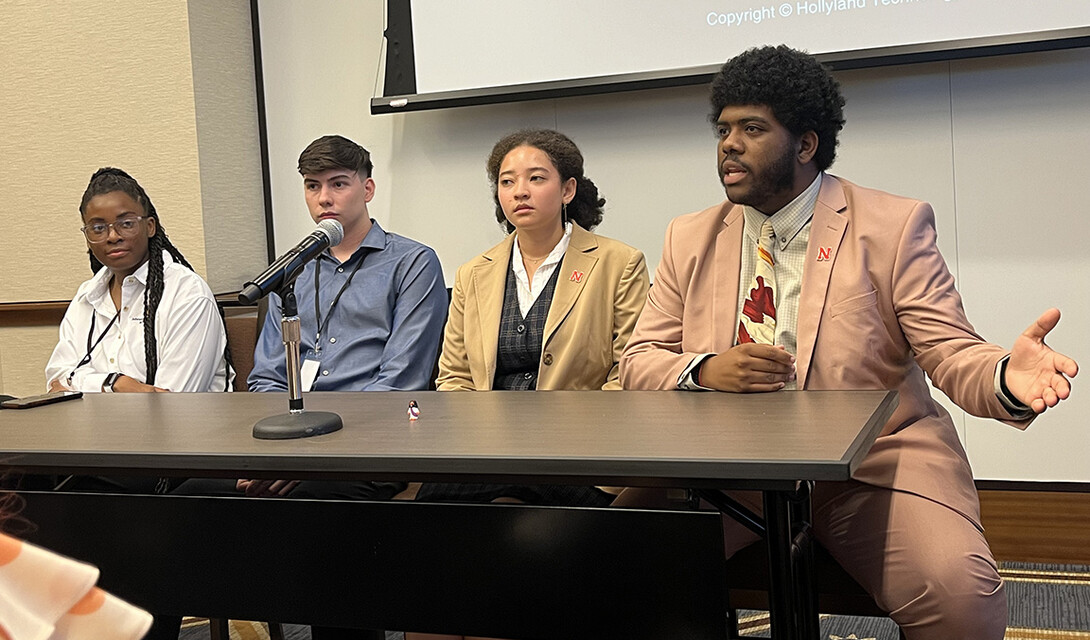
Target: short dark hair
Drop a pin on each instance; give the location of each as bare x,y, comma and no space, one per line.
335,152
801,92
585,208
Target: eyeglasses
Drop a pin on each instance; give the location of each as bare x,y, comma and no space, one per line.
97,232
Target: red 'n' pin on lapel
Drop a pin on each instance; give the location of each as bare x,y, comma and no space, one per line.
824,254
576,276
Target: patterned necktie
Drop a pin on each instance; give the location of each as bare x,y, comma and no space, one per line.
758,322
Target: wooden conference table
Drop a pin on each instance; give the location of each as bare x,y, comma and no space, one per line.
492,568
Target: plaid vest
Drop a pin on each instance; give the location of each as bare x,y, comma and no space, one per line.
518,352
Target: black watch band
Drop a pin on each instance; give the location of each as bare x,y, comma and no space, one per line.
109,382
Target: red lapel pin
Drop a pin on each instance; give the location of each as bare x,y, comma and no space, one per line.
576,276
824,254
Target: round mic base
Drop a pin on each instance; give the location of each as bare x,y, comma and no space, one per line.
297,425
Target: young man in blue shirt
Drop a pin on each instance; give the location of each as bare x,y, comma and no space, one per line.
371,309
371,312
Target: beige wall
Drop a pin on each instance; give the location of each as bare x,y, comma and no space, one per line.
161,88
23,354
87,85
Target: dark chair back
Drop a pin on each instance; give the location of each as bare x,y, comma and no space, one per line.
242,331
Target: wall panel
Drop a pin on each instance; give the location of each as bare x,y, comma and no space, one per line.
136,85
85,86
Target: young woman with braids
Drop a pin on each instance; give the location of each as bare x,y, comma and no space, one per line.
145,321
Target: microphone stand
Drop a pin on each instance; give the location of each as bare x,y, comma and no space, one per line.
297,423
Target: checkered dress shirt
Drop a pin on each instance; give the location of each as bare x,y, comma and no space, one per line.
792,227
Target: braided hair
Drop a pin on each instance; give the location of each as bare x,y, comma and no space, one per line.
585,208
107,180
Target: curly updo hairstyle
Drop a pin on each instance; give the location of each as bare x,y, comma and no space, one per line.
801,92
585,209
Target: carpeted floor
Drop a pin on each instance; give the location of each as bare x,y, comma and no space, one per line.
1047,602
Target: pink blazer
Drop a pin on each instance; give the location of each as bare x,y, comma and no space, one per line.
878,308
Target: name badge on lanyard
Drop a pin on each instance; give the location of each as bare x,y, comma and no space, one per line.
308,372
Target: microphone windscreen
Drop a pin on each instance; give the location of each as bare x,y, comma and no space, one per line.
332,230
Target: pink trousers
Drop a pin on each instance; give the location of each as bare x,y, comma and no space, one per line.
926,564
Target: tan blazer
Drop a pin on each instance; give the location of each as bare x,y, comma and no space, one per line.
600,290
877,309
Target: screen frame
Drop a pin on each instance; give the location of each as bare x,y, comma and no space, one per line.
399,84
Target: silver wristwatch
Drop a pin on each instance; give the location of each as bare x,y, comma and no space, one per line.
109,382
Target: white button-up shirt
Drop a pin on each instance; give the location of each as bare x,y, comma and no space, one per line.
528,291
188,329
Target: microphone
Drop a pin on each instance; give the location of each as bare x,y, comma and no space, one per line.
287,267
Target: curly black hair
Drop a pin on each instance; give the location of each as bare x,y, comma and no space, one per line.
801,92
585,209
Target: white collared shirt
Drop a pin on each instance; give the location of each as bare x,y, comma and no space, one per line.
529,291
188,329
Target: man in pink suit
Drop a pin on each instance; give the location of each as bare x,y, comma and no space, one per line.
862,300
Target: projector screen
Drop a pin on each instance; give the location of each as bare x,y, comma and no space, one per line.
443,53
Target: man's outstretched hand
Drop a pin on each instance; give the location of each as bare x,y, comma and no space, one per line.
1037,375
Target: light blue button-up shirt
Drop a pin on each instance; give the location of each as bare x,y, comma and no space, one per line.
384,332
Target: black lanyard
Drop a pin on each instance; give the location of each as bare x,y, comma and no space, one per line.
90,335
318,305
